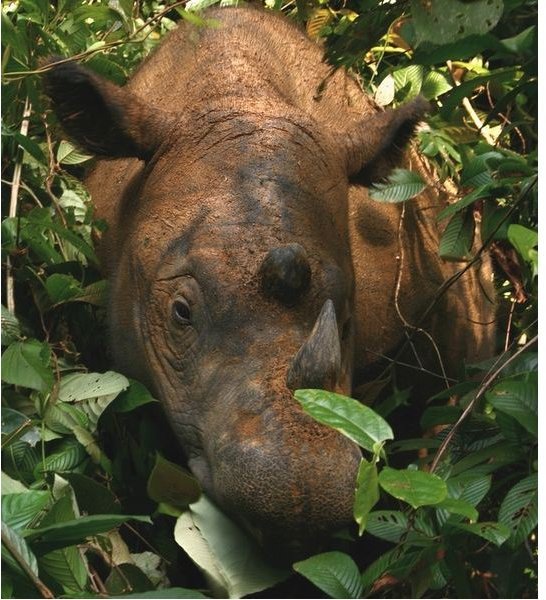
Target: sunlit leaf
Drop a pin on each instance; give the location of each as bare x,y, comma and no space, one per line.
417,488
401,185
355,420
367,493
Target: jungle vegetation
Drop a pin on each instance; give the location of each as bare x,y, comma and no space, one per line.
93,502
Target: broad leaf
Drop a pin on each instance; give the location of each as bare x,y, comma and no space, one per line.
355,420
11,540
27,364
401,185
230,559
417,488
444,21
334,573
134,396
458,236
367,493
493,532
68,154
519,399
68,533
19,510
519,509
172,484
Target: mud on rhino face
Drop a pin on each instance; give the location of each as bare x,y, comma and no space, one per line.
232,287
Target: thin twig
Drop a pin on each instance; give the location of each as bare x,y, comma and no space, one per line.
483,388
509,325
37,582
14,204
485,133
444,287
405,322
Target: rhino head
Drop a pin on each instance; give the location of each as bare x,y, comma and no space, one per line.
232,282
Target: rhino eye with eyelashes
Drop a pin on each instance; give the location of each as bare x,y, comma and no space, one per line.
181,312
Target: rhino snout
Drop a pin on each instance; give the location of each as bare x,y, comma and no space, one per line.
293,484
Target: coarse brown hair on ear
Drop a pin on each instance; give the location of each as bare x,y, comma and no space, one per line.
376,145
103,118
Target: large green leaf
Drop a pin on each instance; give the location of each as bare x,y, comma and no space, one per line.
493,532
92,392
11,540
477,194
19,510
92,497
334,573
59,535
457,238
519,509
519,399
401,185
166,593
367,492
134,396
444,21
11,328
27,364
417,488
66,566
68,154
231,560
355,420
388,525
172,484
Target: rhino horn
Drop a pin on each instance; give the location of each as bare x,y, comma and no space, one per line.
317,364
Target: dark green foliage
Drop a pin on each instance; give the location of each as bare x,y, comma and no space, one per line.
84,448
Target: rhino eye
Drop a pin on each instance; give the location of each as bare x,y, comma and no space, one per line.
181,312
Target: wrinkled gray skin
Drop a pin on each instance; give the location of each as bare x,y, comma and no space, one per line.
246,260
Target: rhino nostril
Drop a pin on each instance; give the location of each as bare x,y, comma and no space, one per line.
285,273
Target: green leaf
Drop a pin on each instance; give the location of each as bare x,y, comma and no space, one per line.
477,194
408,81
519,399
92,497
62,288
490,531
388,525
457,238
11,329
444,21
401,185
477,171
19,510
66,566
68,455
77,387
12,539
232,561
525,241
335,573
68,533
92,392
166,593
435,84
353,419
172,484
439,415
68,154
11,486
459,507
134,396
27,364
519,509
417,488
367,493
127,577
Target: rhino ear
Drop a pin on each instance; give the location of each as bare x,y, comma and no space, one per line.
376,145
101,117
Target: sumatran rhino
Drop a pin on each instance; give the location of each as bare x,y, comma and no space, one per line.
246,260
